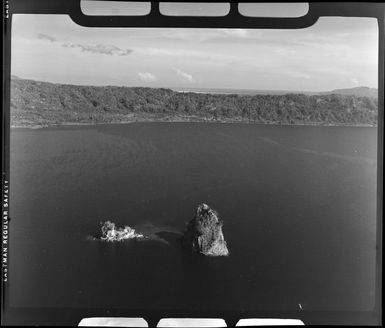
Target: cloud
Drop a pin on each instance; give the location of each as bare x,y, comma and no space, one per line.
175,52
46,37
96,49
184,76
236,35
355,81
99,49
343,35
297,74
236,32
147,77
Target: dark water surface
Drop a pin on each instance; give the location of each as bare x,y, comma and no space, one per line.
298,205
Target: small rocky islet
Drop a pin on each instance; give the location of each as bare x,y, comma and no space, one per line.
111,233
203,233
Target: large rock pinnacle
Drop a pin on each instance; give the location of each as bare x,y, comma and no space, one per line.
204,233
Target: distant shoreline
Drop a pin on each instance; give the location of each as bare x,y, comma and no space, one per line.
183,120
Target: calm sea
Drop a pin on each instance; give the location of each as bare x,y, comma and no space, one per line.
298,205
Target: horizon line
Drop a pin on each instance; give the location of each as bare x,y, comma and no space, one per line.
186,89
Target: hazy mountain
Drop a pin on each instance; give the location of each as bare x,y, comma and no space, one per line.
358,92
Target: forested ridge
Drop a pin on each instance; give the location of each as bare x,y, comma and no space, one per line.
42,103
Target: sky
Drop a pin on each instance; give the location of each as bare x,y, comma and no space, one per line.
334,53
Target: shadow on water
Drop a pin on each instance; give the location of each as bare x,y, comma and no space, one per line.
172,238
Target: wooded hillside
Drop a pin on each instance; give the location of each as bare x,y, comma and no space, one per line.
41,103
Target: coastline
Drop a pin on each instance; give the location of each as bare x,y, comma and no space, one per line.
185,119
37,105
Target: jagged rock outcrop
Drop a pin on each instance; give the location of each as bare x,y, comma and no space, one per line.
204,233
111,233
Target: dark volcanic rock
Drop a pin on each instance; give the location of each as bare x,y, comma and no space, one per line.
204,233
